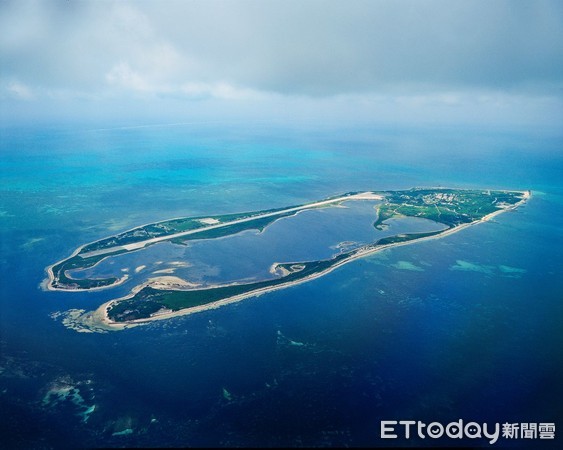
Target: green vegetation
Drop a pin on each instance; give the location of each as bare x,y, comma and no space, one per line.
446,206
150,300
167,227
63,281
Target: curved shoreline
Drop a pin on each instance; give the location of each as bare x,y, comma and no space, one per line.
48,283
98,320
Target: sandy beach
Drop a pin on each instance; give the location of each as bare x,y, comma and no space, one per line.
211,225
99,318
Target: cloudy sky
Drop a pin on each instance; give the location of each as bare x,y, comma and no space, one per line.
402,61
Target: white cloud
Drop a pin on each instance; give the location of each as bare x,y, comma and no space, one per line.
121,75
19,90
220,90
415,55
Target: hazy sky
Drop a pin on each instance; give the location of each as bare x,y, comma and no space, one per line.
374,61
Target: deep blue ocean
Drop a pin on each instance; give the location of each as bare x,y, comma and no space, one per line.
465,327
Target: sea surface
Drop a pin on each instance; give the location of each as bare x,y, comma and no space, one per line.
467,327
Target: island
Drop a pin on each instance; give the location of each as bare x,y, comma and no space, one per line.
167,296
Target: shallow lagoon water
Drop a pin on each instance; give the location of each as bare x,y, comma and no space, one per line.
316,364
307,236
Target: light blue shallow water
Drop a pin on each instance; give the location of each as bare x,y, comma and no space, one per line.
468,326
308,236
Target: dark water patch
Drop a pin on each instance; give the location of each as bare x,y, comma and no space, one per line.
378,342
